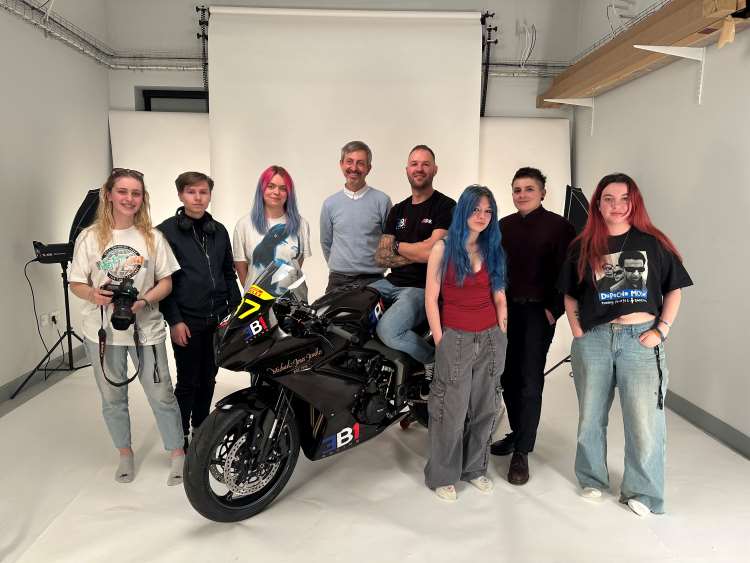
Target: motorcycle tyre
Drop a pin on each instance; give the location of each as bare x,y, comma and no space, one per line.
197,471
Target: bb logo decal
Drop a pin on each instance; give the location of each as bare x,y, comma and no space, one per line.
255,328
344,437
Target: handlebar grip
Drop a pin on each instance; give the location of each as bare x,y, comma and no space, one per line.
338,331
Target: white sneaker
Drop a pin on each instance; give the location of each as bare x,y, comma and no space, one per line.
447,493
638,507
591,493
483,483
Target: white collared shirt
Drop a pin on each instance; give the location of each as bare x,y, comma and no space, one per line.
358,194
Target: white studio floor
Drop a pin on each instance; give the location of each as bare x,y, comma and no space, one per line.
59,501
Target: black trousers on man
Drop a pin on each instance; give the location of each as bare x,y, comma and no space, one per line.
196,372
529,338
337,280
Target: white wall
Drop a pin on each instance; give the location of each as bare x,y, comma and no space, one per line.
171,25
691,163
54,147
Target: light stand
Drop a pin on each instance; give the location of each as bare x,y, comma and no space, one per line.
69,334
576,212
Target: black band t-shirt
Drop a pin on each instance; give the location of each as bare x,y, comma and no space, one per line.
633,278
415,223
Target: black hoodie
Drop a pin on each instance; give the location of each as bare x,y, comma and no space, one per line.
206,284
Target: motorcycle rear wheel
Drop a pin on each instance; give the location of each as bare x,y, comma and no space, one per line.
223,481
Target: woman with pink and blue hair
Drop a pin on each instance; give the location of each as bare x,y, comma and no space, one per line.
272,230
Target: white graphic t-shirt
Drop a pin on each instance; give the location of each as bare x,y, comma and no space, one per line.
258,250
125,257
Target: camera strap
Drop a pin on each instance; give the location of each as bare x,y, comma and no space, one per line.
103,348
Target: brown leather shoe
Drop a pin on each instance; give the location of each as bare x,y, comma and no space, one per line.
518,473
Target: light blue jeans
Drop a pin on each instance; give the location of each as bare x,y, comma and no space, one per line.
406,312
115,399
608,356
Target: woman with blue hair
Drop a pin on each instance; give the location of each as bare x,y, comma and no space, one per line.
272,230
467,269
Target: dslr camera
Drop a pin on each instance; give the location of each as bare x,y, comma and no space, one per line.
124,295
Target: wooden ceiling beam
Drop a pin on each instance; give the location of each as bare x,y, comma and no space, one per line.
683,23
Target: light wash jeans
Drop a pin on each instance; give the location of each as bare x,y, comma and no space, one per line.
406,312
115,399
608,356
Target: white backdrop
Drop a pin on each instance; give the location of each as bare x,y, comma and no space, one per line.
508,143
290,87
161,145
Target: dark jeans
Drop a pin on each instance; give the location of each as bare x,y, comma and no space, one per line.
196,372
529,338
337,279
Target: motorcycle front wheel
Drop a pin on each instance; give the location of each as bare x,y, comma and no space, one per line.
225,478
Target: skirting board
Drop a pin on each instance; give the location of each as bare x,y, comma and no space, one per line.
727,435
33,386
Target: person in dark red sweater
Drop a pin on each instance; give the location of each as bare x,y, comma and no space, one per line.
535,242
468,269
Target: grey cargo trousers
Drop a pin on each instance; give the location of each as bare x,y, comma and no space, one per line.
465,400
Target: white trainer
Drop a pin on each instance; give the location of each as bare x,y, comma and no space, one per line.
638,507
447,493
483,483
591,493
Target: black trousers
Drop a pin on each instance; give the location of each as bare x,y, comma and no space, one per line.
196,372
529,338
336,280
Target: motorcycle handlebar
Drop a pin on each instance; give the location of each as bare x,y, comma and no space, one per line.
338,331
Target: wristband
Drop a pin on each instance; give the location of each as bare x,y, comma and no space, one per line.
666,322
661,334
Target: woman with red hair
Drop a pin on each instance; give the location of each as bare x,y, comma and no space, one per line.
619,326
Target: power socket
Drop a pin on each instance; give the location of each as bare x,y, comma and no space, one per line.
54,317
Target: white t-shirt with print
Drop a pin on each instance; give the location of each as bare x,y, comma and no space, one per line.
125,257
258,250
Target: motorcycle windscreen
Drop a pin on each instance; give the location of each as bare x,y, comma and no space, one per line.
243,337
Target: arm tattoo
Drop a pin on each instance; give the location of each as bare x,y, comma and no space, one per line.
384,255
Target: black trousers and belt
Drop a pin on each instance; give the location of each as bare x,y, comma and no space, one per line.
196,371
529,338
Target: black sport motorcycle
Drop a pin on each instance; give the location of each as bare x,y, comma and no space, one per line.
319,379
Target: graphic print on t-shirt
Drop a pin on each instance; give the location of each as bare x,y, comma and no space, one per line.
623,278
267,249
121,262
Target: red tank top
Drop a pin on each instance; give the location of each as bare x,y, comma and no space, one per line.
469,308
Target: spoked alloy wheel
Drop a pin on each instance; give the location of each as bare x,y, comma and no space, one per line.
232,472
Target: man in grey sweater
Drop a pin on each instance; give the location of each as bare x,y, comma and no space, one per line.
352,221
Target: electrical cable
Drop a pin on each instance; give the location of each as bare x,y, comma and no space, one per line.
609,18
532,45
36,317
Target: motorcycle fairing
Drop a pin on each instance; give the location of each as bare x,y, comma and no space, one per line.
328,440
